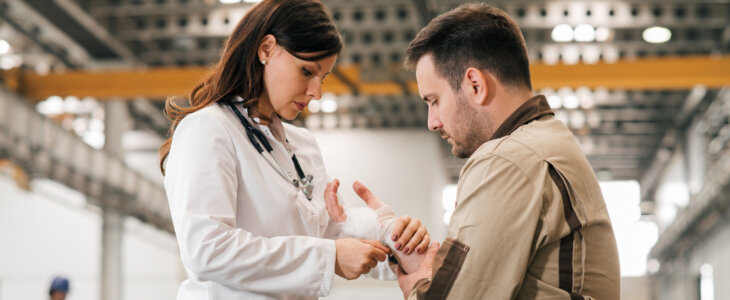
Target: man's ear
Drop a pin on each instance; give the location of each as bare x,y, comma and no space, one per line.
266,49
475,86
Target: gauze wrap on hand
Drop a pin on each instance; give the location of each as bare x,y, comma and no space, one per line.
366,223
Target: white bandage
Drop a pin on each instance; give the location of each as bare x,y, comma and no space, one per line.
369,224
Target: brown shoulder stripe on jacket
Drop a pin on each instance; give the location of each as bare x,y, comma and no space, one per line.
565,256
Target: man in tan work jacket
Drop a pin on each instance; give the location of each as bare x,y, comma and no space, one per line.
530,220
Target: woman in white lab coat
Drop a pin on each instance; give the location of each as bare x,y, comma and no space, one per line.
250,218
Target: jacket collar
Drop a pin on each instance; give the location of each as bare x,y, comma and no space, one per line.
531,110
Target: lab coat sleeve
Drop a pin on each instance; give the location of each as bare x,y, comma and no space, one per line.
201,185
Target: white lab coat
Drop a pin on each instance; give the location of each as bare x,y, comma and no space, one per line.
245,232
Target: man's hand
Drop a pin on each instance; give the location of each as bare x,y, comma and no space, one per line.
355,257
407,281
408,233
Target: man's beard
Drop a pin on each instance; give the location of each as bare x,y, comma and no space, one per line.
469,127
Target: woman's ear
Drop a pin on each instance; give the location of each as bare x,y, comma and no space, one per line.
266,49
475,86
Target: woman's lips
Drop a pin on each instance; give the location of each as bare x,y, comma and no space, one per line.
300,105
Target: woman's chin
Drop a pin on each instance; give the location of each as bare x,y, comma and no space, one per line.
289,115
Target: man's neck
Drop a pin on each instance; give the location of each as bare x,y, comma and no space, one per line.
508,102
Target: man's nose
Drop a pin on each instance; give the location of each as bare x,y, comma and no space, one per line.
434,123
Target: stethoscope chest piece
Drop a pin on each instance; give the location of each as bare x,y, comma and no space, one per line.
306,185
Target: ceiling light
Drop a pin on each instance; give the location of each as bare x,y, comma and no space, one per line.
577,119
328,105
229,1
10,61
603,34
555,101
571,102
657,35
571,54
314,106
4,47
562,33
584,33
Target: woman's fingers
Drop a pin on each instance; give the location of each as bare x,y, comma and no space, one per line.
415,240
398,227
407,234
377,245
332,204
424,243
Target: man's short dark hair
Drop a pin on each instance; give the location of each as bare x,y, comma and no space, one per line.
473,35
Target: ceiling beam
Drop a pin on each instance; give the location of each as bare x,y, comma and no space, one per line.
643,74
83,29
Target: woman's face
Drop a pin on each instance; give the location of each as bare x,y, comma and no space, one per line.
290,82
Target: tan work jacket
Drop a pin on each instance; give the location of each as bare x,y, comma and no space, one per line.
530,220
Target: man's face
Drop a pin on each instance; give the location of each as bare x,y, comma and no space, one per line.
449,113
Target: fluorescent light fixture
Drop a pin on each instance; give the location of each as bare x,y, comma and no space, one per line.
10,61
449,197
314,106
571,101
657,35
447,217
561,116
603,34
577,119
252,1
584,33
229,1
328,105
555,101
4,47
571,55
707,284
448,203
562,33
51,106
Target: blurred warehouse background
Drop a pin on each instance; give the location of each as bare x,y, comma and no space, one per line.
643,84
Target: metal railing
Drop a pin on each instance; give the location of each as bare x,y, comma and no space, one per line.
44,149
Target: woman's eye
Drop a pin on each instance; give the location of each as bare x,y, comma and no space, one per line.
306,72
434,102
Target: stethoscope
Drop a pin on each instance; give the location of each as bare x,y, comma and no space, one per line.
259,141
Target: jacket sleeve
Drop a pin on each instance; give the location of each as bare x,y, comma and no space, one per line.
201,185
491,235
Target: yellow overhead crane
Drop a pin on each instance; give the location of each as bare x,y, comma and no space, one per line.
667,73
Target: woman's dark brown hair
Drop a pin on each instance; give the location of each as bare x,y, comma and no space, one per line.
301,27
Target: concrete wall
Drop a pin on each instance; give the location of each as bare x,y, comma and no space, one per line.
680,279
49,232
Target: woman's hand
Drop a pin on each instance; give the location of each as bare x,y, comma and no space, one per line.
355,257
410,235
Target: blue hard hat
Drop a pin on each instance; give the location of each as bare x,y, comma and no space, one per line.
59,284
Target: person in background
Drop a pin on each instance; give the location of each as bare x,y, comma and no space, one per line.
59,288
